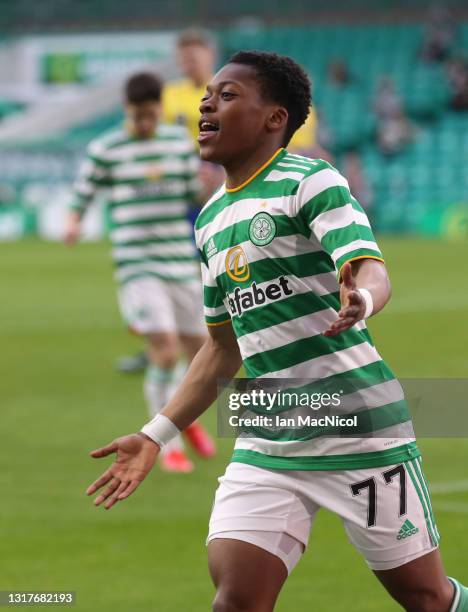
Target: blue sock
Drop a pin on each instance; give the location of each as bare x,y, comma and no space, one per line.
460,600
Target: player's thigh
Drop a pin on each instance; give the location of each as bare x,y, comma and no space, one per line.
420,584
261,507
187,302
386,512
246,576
258,530
146,306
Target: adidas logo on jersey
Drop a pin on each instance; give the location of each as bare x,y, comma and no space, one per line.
211,248
244,299
407,530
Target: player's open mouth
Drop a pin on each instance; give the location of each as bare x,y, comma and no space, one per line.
207,130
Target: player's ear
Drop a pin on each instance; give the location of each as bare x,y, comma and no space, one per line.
277,119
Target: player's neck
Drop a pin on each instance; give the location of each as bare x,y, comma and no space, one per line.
239,171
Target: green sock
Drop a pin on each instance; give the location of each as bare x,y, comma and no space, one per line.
460,600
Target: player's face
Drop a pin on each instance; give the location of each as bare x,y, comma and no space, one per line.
234,116
142,119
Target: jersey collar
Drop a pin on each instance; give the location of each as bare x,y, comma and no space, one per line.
256,173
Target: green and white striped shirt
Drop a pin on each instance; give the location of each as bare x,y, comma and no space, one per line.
271,254
150,184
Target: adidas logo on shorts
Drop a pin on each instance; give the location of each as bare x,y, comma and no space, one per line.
407,530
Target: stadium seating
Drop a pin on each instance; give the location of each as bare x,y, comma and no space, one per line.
430,171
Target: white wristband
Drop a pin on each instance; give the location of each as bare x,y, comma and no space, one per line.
367,297
161,430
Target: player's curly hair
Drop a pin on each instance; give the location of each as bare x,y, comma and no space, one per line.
143,87
282,81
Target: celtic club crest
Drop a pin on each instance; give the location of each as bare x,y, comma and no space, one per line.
262,229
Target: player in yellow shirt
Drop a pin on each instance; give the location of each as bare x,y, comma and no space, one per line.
196,56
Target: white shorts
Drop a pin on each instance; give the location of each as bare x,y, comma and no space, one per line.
150,305
386,511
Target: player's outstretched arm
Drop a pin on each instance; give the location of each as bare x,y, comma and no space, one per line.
364,291
219,358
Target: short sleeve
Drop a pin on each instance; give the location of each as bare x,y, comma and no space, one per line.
214,308
335,218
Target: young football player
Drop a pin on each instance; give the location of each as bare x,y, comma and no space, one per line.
149,172
291,272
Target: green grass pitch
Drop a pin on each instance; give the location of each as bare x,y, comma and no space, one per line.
61,397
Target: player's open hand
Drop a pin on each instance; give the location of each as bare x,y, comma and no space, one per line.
136,455
353,306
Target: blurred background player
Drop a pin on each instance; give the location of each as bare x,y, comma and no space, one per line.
150,170
196,59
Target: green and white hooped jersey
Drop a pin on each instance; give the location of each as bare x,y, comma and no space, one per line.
271,254
150,184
